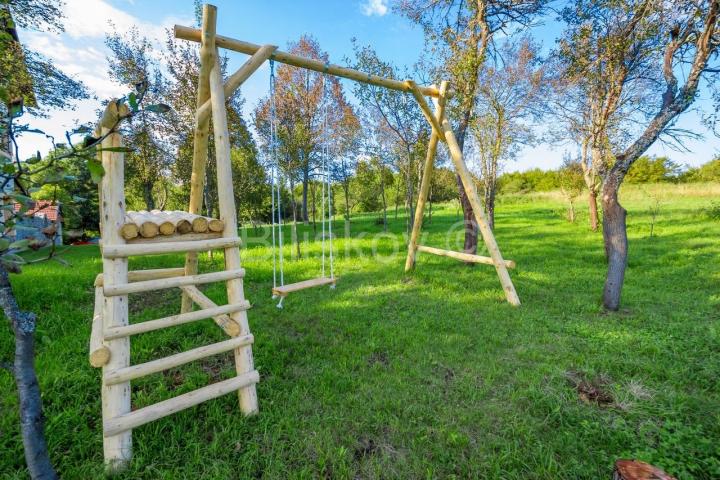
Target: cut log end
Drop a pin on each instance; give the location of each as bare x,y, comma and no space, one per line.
167,228
200,225
216,225
129,231
637,470
100,357
183,227
149,230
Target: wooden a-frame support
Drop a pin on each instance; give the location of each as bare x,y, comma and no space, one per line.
441,130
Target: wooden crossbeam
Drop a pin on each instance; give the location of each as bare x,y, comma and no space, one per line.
237,78
123,251
162,409
173,320
175,282
194,35
126,374
285,290
140,275
465,257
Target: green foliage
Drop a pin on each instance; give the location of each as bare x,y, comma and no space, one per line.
533,180
709,172
652,170
713,211
250,184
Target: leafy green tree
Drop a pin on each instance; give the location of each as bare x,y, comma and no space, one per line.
652,170
134,62
647,58
250,184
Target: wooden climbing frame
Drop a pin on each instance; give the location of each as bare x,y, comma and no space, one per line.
125,234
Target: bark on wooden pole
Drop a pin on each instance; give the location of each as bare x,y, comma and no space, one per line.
200,139
426,178
474,198
228,214
115,398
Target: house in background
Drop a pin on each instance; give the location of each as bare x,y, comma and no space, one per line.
39,222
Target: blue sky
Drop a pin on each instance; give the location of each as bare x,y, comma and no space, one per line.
80,51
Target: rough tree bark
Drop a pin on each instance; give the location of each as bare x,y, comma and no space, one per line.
471,228
31,417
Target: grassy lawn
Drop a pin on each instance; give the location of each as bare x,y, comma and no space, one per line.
428,375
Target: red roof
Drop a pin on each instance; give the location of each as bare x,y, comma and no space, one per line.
43,208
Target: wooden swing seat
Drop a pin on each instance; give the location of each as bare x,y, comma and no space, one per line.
285,290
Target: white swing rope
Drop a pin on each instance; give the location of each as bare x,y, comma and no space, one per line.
276,184
327,190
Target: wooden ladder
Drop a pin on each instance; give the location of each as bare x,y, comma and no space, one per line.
111,330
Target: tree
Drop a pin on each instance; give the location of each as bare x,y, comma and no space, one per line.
656,51
250,184
134,62
310,109
461,33
182,62
28,75
512,85
398,120
571,184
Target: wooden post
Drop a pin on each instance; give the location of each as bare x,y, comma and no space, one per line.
427,174
115,398
228,214
202,127
471,191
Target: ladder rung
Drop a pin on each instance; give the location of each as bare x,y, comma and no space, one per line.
160,284
465,257
284,290
140,275
122,251
171,321
126,374
181,402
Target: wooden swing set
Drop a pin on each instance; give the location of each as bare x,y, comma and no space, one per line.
129,234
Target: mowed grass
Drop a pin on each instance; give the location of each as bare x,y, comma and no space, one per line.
427,375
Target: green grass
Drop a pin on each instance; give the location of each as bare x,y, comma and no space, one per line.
426,375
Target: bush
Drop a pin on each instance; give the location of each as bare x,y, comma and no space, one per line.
713,211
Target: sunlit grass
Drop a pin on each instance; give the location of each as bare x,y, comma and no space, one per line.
427,375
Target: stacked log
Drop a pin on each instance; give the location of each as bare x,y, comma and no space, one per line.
156,222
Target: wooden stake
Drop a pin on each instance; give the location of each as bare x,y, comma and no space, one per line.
487,234
99,352
228,214
427,176
200,141
115,398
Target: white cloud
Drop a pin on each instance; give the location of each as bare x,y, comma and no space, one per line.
375,7
81,53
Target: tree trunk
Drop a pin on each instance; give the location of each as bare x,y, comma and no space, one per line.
148,196
471,228
293,230
384,201
490,207
31,417
312,195
592,204
306,178
615,239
